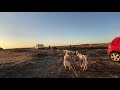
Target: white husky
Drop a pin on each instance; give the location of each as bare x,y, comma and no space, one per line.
83,61
68,59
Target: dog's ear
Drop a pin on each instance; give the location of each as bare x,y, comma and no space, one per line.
77,52
65,51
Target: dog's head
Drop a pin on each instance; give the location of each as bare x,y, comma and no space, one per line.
72,54
68,52
65,52
77,52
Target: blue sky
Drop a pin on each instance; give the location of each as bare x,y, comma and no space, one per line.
25,29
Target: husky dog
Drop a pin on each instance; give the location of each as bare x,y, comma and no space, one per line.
67,59
83,61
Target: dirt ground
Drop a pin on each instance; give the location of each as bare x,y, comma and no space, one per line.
49,64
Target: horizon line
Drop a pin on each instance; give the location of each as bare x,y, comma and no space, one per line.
58,45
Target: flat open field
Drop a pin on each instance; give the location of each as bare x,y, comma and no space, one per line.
31,63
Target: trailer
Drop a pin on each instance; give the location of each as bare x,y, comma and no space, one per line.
39,46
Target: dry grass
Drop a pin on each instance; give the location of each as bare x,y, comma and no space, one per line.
30,63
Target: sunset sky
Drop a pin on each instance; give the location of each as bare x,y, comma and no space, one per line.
26,29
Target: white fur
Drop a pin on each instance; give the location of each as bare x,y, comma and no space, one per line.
83,61
67,60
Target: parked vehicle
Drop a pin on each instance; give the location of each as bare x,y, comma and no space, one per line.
114,49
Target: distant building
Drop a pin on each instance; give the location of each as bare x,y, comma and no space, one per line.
39,46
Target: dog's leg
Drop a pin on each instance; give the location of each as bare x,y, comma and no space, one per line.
69,68
81,67
65,67
85,67
74,72
64,63
73,66
65,72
